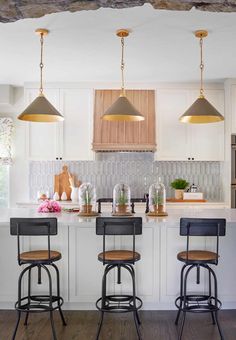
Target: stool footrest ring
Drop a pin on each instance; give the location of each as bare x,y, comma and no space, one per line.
195,303
119,304
38,303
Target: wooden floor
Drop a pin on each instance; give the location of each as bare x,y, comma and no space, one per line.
82,325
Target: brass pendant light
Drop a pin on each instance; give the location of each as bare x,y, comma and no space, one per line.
201,111
41,110
122,109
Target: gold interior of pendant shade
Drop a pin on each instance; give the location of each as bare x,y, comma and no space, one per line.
122,109
201,111
41,110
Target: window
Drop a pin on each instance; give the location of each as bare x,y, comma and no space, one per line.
6,127
4,186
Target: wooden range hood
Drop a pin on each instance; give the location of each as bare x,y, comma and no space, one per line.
124,136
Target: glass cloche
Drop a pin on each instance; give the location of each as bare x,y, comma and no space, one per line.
157,198
87,198
121,199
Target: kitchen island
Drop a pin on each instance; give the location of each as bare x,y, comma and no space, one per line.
157,274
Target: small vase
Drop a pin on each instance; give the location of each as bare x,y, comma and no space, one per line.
74,194
155,208
56,196
122,209
64,196
179,193
87,208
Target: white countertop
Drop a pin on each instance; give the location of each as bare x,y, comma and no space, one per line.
174,214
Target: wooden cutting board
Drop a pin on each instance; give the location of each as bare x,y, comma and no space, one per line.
62,182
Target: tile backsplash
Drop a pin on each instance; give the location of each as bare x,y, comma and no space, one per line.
138,172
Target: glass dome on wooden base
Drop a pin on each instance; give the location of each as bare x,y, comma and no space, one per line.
87,199
121,200
157,199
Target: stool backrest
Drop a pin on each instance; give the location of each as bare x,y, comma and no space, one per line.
118,226
33,227
203,227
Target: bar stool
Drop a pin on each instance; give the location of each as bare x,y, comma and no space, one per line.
119,259
207,302
39,259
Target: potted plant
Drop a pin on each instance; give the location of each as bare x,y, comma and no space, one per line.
179,184
122,202
86,196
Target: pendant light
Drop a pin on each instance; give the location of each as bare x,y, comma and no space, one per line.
122,109
41,110
201,111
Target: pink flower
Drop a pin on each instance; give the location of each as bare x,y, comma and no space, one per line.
49,206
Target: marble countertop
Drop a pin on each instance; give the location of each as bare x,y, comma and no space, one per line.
66,218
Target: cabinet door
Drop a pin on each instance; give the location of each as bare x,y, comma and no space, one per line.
76,106
172,143
207,140
85,282
42,138
147,270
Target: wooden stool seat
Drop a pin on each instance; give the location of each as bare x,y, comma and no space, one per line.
40,255
119,255
197,256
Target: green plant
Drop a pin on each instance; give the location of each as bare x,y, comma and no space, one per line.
157,200
179,184
87,196
122,199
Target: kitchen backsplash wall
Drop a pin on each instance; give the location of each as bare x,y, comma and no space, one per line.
139,174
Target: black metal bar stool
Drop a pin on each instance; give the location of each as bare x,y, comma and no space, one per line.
207,302
39,259
119,259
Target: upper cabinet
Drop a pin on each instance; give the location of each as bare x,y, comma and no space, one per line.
124,136
182,141
67,140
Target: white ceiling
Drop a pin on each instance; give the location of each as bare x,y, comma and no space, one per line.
82,46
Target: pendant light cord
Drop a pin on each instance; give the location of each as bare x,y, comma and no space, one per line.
201,68
122,66
41,65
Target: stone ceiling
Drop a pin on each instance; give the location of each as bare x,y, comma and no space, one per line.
13,10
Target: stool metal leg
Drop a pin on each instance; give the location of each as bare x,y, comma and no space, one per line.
184,300
100,325
210,292
216,303
17,324
103,302
182,326
19,298
58,294
50,302
181,294
29,294
136,318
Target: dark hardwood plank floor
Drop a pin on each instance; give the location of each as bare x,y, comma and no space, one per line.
82,325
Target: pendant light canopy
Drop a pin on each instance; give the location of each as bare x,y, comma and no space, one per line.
201,111
122,109
41,110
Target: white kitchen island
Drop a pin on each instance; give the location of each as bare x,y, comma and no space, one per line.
157,273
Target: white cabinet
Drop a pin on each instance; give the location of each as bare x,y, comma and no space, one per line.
180,141
172,143
85,270
76,106
42,138
67,140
